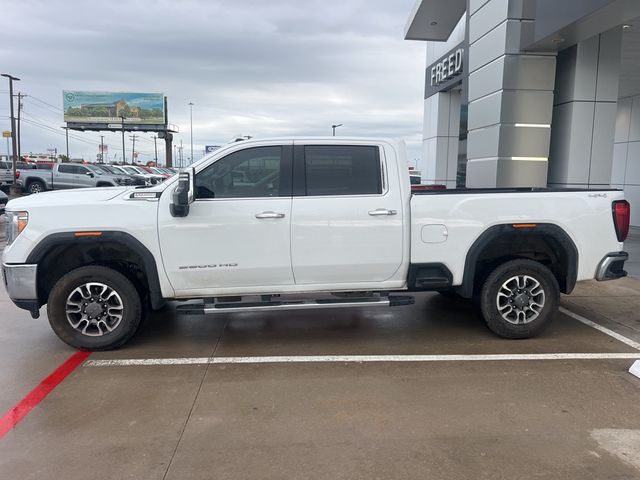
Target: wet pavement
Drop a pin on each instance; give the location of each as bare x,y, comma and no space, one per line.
443,419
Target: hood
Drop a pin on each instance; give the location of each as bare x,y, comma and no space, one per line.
66,197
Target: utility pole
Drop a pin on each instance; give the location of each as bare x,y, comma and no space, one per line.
191,121
133,151
102,149
66,130
334,128
20,96
155,149
124,158
13,128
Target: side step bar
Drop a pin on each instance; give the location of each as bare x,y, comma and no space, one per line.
201,309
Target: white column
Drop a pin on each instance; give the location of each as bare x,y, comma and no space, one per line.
510,98
440,138
584,112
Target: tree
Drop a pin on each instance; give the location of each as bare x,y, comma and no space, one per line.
63,158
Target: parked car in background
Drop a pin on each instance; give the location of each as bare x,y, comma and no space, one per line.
126,179
149,178
66,175
3,201
6,173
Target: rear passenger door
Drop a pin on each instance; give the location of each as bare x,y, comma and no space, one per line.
346,224
64,176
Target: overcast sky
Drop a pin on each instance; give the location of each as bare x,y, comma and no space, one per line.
251,67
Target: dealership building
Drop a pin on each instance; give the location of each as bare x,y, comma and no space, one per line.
531,93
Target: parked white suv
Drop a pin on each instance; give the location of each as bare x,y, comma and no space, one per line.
255,224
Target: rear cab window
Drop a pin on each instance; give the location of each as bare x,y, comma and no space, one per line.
342,170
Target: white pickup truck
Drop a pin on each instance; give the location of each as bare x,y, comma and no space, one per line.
298,224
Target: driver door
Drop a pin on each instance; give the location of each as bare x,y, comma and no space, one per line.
236,236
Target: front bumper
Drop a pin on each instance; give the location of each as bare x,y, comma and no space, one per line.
20,282
612,266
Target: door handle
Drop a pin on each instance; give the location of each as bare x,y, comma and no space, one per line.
381,211
269,215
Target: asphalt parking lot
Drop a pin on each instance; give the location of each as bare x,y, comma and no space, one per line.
411,392
190,418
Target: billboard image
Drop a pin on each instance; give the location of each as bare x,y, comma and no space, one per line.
109,107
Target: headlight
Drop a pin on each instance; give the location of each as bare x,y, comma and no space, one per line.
16,222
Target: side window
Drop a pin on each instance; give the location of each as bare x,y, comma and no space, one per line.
254,172
67,168
81,170
342,170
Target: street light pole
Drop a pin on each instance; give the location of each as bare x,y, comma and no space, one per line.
334,128
20,95
133,151
102,149
191,121
14,146
124,158
155,149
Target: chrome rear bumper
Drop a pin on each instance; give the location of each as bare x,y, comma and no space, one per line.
612,266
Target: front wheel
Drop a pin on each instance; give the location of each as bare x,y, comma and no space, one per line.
519,299
94,308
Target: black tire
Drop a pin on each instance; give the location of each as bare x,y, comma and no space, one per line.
128,296
36,186
525,298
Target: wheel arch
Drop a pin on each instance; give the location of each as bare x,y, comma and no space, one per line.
544,242
111,248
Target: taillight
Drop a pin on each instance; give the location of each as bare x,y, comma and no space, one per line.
17,173
621,218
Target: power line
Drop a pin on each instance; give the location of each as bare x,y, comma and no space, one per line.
79,139
46,103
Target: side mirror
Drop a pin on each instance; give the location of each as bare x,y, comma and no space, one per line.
183,194
90,174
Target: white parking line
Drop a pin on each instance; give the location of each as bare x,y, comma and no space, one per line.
359,359
605,330
388,358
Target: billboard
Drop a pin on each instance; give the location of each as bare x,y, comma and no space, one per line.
110,107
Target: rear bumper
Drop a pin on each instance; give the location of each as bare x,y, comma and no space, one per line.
612,266
20,282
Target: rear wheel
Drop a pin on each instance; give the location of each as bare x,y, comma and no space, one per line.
36,187
519,299
94,308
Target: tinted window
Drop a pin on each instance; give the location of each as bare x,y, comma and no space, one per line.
254,172
342,170
67,169
4,165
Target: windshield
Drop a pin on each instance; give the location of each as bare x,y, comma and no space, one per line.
95,169
118,170
131,170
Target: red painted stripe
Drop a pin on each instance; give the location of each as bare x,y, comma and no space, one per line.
44,388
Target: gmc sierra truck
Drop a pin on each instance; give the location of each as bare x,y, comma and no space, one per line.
305,223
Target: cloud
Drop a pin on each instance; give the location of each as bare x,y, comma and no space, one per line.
251,67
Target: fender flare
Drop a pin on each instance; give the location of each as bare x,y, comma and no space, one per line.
544,229
43,247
